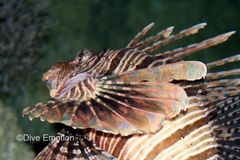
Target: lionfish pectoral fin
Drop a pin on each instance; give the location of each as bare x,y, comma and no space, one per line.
184,70
69,144
129,103
119,108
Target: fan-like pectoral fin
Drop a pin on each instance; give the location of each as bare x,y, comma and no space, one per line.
185,70
122,108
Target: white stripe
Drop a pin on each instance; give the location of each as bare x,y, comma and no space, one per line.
111,143
117,70
138,61
102,139
127,61
114,146
169,128
136,143
183,144
105,141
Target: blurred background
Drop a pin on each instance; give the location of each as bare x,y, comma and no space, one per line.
34,34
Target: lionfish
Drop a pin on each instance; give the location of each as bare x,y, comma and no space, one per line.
131,104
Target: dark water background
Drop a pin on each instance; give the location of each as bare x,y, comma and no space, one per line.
36,34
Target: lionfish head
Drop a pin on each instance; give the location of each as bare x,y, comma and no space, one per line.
62,73
56,76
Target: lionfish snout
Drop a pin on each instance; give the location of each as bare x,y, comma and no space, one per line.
49,79
52,79
52,86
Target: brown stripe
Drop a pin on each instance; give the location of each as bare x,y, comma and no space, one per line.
134,57
119,146
115,61
98,138
204,155
175,138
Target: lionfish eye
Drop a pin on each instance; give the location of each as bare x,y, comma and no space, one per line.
49,84
83,54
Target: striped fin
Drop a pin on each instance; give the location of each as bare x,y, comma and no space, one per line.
69,144
179,53
143,45
138,37
203,132
162,34
225,121
207,130
185,70
222,74
119,108
176,54
186,32
213,90
224,61
132,102
185,137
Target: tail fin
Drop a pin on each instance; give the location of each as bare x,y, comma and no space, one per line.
70,144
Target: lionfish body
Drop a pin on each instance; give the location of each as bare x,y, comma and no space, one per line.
144,106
